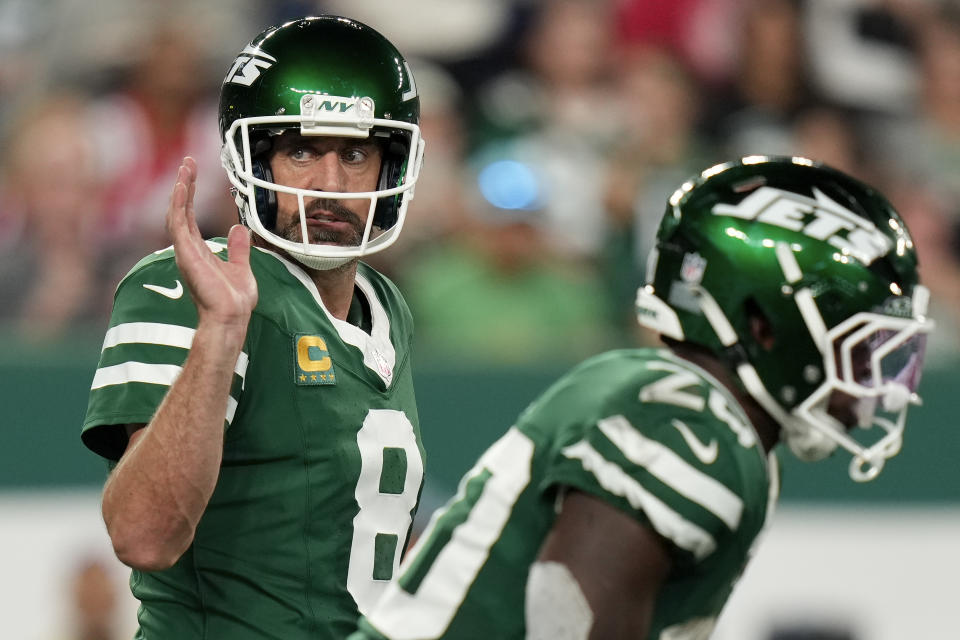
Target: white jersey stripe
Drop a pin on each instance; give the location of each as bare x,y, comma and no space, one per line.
664,464
231,409
163,374
168,335
666,521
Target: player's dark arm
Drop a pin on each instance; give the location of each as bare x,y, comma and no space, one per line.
157,493
616,565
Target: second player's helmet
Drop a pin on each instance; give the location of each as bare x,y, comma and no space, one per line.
822,261
321,76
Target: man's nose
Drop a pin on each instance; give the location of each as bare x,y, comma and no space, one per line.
327,173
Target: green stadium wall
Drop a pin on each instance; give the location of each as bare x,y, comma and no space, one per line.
463,408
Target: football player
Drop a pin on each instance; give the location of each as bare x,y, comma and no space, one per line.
258,400
627,499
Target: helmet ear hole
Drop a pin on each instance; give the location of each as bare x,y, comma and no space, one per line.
265,199
760,327
393,166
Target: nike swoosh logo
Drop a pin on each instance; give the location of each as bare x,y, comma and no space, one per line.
171,292
706,453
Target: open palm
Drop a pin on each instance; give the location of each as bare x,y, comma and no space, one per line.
224,292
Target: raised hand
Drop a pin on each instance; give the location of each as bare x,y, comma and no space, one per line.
224,292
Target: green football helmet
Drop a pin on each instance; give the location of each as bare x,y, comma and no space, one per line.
321,76
829,265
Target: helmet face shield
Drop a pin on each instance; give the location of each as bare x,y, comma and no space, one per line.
873,363
255,192
322,77
880,353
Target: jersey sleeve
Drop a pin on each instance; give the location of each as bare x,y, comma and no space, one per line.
149,336
675,469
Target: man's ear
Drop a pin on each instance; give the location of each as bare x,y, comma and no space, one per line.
761,329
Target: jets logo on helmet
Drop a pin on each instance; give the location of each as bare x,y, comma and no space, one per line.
819,217
246,68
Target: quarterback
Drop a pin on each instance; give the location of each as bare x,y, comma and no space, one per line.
626,500
257,401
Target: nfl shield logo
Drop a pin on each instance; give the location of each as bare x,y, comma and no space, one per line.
691,271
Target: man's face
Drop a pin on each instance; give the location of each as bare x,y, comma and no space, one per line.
330,164
843,406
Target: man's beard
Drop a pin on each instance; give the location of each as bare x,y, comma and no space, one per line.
347,238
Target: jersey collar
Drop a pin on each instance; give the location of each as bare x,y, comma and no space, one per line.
378,352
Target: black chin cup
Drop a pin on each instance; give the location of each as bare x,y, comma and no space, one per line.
264,199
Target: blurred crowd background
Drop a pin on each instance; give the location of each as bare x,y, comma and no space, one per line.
555,130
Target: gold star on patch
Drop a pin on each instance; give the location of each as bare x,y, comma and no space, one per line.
313,377
303,378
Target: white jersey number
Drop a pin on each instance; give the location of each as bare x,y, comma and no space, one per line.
391,471
503,472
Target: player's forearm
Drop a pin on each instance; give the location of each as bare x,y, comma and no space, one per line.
155,497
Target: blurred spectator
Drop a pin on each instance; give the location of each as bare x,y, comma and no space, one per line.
659,146
562,83
25,26
569,172
439,206
861,52
50,211
755,113
495,292
926,148
831,135
557,115
438,29
926,216
700,32
162,112
93,604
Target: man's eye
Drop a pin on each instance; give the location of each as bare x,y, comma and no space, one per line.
354,155
300,153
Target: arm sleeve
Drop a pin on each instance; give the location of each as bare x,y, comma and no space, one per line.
652,474
148,339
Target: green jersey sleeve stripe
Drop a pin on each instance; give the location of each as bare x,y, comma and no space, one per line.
163,374
668,467
665,520
168,335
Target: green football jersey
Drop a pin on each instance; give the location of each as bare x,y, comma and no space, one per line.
322,463
649,433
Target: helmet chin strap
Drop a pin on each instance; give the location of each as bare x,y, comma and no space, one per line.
319,263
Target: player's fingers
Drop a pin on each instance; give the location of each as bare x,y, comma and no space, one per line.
238,245
190,166
176,212
182,229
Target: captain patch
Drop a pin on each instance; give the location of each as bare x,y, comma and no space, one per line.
313,364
